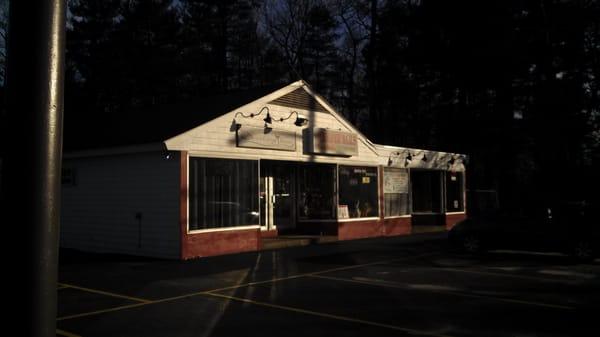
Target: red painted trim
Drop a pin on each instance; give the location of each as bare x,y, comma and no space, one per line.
269,234
183,201
397,226
349,230
452,219
221,242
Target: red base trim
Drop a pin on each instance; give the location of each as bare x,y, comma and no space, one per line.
268,234
397,226
452,219
220,243
359,229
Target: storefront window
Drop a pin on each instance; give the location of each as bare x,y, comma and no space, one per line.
454,192
426,188
316,191
357,192
395,190
223,193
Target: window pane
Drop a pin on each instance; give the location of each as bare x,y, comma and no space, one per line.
316,186
223,193
426,191
358,191
395,189
454,192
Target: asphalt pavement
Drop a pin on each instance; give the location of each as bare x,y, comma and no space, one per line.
403,286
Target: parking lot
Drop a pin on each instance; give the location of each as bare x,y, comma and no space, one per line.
381,287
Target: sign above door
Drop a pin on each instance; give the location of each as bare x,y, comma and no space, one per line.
331,142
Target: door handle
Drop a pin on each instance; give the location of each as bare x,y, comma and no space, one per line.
273,198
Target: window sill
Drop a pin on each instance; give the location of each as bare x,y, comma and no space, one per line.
398,216
222,229
317,220
358,219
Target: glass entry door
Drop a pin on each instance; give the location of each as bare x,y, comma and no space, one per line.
278,196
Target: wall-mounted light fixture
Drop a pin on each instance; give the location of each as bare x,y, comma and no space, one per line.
390,160
268,119
408,159
234,126
301,120
251,115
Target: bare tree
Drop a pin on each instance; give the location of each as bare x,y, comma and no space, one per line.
286,22
352,17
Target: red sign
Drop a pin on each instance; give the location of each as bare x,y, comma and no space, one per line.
332,142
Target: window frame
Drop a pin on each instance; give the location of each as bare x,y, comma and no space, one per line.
219,229
408,194
442,192
335,195
462,194
378,208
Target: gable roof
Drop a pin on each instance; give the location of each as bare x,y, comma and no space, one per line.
160,124
154,125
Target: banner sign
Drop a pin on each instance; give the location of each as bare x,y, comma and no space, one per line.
395,181
266,138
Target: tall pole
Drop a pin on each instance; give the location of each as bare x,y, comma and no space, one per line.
32,141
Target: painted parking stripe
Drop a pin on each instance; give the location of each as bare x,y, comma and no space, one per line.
330,316
490,273
439,290
147,302
97,312
65,333
96,291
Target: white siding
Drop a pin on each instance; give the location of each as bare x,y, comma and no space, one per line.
99,213
217,138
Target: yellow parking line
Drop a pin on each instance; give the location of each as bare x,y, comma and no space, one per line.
65,333
390,284
137,299
212,291
97,312
330,316
523,277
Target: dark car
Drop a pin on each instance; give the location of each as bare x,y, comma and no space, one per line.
567,227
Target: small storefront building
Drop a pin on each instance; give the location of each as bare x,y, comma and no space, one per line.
283,163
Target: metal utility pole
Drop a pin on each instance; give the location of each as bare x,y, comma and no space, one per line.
32,154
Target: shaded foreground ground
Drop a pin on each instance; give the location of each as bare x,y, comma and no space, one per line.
382,287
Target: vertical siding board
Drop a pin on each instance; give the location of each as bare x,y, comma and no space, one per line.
99,213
